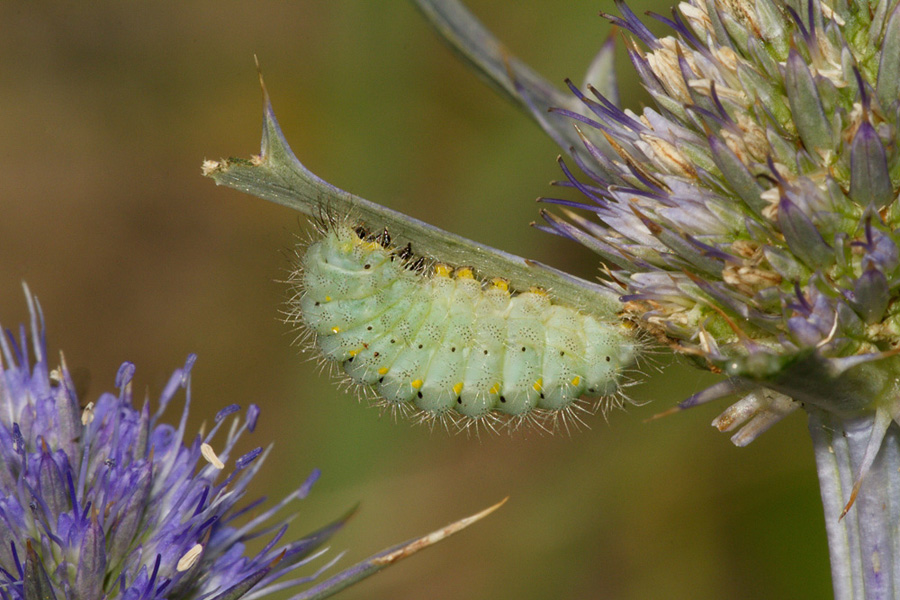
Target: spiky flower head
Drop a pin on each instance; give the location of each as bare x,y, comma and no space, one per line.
109,501
750,216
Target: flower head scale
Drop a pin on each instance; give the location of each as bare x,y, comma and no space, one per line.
110,502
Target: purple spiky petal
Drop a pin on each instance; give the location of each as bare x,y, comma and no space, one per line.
111,502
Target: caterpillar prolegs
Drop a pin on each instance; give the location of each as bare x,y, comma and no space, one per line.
428,336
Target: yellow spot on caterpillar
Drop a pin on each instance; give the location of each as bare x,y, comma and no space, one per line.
353,353
538,385
500,283
417,384
371,246
538,291
495,389
383,371
442,270
327,298
576,380
464,273
335,330
458,388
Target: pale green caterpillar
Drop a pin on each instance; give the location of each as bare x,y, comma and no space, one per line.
425,336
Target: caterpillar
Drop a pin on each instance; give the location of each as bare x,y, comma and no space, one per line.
437,340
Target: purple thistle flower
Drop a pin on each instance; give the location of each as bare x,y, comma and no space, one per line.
110,501
742,212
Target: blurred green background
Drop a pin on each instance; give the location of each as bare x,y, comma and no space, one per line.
107,110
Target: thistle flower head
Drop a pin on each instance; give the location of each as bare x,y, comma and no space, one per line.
109,501
750,216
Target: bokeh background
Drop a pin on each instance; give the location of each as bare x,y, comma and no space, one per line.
107,110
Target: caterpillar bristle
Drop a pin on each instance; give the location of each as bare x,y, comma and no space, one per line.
538,420
418,265
405,253
489,422
395,410
572,419
324,221
386,325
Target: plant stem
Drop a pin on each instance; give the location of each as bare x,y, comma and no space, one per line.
865,544
276,175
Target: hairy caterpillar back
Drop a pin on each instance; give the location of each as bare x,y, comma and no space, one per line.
437,339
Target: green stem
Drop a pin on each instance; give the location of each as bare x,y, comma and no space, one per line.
865,544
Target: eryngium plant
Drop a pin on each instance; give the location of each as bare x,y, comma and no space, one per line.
748,221
108,501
